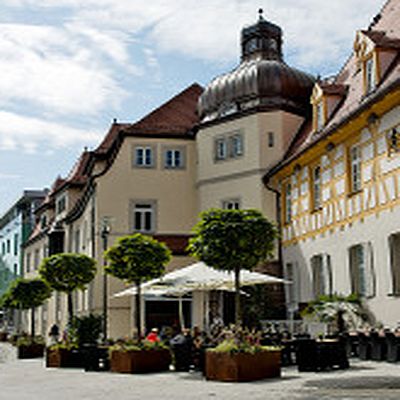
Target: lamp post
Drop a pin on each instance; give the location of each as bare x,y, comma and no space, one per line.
105,231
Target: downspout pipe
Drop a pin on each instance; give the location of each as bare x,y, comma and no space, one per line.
278,196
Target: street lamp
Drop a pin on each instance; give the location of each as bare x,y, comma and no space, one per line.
105,231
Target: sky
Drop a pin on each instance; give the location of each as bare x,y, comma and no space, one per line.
68,67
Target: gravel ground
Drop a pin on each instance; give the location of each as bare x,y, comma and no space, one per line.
30,380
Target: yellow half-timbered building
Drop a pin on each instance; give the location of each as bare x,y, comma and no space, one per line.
339,182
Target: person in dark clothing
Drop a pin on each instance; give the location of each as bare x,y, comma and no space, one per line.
182,345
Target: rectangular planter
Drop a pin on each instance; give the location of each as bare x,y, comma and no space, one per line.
131,362
30,351
63,358
3,336
243,367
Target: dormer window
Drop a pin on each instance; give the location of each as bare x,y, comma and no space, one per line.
369,75
319,115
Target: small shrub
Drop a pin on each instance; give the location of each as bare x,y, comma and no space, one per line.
28,340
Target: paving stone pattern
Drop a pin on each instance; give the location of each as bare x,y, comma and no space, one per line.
30,380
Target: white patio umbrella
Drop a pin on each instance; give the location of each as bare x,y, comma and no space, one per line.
199,277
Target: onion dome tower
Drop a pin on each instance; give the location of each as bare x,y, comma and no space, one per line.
261,82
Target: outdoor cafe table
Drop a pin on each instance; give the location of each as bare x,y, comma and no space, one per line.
317,355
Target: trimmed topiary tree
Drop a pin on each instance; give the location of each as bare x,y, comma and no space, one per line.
27,294
67,272
136,259
233,240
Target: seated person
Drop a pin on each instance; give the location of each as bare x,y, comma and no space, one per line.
153,336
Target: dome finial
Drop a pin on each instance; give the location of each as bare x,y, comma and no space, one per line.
260,14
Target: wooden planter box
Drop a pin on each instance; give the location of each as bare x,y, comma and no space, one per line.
63,358
30,351
131,362
243,367
3,336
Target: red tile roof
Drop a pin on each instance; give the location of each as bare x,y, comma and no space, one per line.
176,117
351,77
110,137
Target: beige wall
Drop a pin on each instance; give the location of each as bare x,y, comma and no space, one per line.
173,190
241,177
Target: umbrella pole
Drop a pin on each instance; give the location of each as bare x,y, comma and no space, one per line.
181,316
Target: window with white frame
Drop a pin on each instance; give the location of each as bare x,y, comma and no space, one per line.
144,217
220,149
143,156
317,188
231,204
236,145
362,275
173,158
394,244
288,203
61,204
321,275
355,168
369,75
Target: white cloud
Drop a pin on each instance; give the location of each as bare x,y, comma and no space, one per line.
28,134
4,176
75,66
56,69
316,32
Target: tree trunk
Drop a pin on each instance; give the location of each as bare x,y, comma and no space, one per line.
70,309
33,322
138,312
238,320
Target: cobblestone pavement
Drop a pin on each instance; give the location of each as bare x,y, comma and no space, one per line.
30,380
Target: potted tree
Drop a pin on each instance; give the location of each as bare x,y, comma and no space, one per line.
67,272
28,294
233,240
84,334
135,259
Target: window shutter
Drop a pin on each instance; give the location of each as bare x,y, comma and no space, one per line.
292,289
369,270
353,270
296,284
327,274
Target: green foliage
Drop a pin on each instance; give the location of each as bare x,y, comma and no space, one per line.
259,305
86,329
66,272
26,293
133,345
233,240
228,239
137,258
63,346
347,312
230,346
29,340
6,300
241,340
